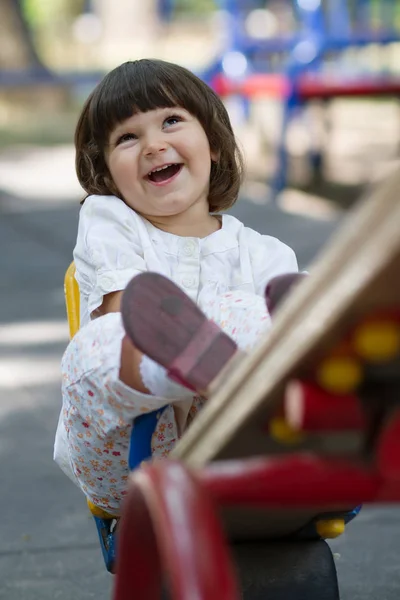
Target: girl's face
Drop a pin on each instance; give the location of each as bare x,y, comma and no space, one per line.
160,162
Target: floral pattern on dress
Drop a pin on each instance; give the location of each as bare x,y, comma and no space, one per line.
98,409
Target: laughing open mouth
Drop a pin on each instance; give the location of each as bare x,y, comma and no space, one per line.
164,173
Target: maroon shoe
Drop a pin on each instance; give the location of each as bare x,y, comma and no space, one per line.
166,325
278,288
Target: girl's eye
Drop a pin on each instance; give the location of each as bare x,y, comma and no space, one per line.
126,137
173,119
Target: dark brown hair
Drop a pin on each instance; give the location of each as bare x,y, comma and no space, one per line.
143,85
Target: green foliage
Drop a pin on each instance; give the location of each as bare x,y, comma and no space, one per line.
190,7
44,12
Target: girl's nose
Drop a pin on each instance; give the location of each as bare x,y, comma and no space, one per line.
154,145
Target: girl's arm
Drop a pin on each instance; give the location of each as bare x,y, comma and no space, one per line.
107,254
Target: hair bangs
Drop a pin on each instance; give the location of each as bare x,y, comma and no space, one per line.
138,86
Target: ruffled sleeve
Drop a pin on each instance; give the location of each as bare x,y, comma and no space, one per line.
108,251
269,257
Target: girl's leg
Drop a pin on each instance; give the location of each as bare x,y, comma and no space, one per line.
129,371
141,373
242,316
92,441
165,324
279,287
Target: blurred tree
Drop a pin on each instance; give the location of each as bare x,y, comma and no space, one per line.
17,49
195,6
52,25
190,7
42,13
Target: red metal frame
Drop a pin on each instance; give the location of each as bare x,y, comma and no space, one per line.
169,525
169,528
310,480
308,87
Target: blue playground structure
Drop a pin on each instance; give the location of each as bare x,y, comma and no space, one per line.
308,63
306,58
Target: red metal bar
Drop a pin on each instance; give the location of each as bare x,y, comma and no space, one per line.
274,85
308,87
167,504
292,481
309,408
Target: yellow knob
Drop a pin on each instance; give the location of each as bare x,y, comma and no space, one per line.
377,341
98,512
282,432
330,528
340,374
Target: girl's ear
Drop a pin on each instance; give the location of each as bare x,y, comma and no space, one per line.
215,156
108,182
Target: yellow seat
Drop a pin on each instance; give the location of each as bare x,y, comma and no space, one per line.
71,293
72,303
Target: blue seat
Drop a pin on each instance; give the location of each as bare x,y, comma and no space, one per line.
139,451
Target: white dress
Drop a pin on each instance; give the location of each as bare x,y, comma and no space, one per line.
225,273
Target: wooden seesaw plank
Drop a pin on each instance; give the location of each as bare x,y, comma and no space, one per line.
359,270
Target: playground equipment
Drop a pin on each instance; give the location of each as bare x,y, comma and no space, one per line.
301,562
307,423
309,63
301,51
309,529
301,446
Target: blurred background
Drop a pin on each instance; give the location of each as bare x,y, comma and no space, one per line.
312,88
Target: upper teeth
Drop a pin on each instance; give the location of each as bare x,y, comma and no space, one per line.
159,169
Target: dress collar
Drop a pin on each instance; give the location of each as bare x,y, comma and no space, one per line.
224,238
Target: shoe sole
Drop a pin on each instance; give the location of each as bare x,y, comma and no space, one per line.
166,325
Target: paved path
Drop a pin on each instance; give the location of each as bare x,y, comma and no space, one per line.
48,545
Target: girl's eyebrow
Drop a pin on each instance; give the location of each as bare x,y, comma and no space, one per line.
118,130
172,109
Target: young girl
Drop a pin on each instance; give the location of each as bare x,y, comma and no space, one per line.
157,157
